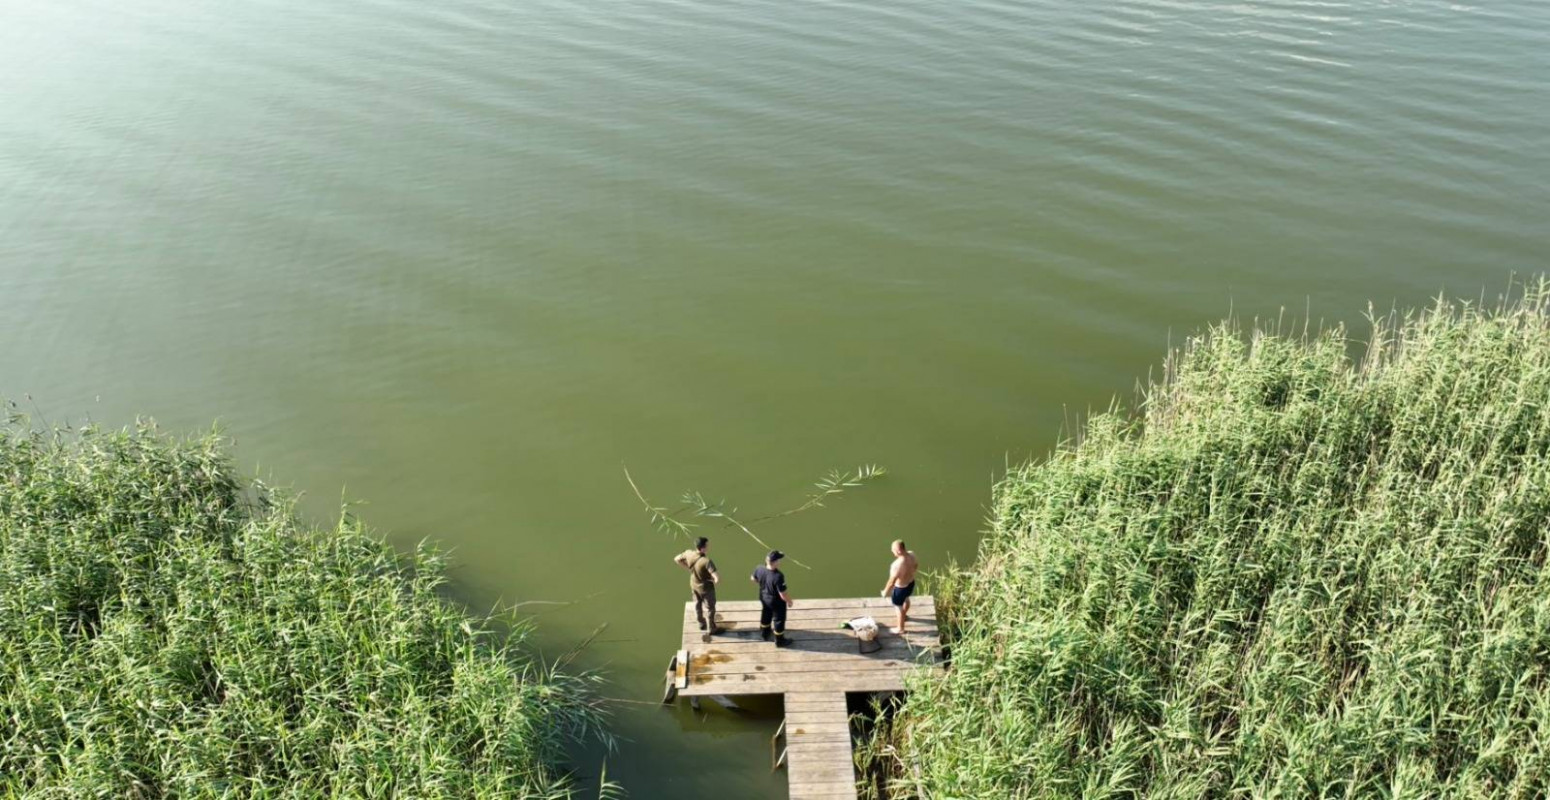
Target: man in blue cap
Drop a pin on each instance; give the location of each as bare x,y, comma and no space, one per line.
773,599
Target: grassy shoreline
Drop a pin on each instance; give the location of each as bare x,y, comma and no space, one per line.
169,628
1285,575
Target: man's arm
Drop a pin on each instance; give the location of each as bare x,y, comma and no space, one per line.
681,561
715,577
787,598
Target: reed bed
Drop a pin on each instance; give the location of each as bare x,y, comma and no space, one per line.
1287,574
168,629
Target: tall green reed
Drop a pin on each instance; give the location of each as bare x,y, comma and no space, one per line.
1288,574
170,629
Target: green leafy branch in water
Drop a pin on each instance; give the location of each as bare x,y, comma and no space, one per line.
661,518
694,505
835,483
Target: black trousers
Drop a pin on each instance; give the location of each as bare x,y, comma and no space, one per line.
772,612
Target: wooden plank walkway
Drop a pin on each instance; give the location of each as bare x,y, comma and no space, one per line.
818,761
815,673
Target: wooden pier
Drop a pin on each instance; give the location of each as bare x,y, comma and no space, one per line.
815,673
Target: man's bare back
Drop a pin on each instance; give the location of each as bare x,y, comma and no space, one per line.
903,569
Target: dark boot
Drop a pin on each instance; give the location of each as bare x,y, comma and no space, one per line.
764,633
702,624
781,640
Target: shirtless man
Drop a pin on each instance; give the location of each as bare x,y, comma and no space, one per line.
901,581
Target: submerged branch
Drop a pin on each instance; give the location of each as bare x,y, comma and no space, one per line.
660,518
719,511
831,485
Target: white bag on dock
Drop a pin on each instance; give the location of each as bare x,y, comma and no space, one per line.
865,628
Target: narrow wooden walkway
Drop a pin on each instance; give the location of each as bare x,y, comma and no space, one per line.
823,664
818,761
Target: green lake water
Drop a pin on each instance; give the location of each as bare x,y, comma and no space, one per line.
464,260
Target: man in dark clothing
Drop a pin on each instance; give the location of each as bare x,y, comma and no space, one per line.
773,599
702,583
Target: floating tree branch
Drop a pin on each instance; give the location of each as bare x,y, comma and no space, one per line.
668,523
721,512
660,518
835,483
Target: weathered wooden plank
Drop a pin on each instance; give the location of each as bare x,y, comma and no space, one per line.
801,612
826,701
834,624
813,728
817,747
816,641
813,622
795,728
834,658
838,770
803,605
802,710
696,639
824,791
808,707
819,626
819,602
796,670
810,642
811,652
830,767
832,770
831,764
699,640
745,622
755,683
913,651
892,650
758,683
817,731
922,649
815,725
750,631
795,665
840,738
816,716
829,699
